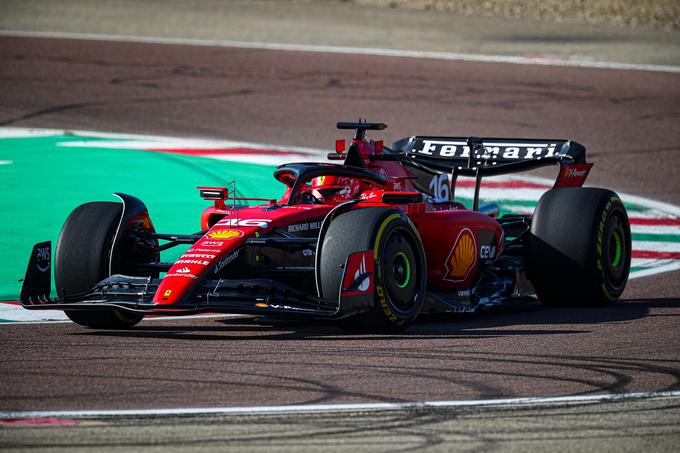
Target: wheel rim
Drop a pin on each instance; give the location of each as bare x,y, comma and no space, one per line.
401,270
615,244
616,251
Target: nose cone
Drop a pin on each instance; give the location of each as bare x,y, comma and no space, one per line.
197,263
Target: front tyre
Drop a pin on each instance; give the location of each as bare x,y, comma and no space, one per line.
400,272
579,247
82,260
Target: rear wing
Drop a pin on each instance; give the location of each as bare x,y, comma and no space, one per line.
478,157
470,156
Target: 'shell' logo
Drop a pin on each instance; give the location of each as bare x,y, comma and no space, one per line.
462,257
225,234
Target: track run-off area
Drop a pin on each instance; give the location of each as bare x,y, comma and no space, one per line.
553,371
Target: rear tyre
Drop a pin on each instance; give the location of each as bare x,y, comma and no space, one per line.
82,260
579,247
399,268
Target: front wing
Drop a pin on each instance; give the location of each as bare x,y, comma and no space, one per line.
135,294
257,296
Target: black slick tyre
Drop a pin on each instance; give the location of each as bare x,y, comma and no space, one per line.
400,272
579,247
82,259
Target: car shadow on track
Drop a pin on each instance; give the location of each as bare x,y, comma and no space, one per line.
527,319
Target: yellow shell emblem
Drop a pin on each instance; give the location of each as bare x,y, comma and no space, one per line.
462,257
225,234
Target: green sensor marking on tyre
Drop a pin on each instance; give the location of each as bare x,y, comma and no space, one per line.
407,277
617,247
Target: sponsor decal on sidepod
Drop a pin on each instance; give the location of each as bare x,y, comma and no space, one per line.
462,257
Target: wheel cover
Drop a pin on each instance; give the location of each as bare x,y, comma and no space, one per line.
616,259
616,254
401,269
399,272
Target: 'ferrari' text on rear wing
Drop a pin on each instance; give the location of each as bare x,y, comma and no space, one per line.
499,150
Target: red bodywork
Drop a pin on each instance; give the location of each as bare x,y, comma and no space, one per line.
457,242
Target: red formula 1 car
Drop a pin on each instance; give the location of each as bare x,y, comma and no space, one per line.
371,242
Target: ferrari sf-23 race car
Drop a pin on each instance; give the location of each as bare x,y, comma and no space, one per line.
371,242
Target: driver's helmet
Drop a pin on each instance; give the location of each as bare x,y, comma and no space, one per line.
326,187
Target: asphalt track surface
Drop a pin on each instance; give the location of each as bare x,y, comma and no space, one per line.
628,119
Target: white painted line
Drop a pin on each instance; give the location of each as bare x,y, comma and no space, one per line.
271,160
656,246
571,62
649,203
137,141
155,318
649,262
654,229
650,213
17,132
330,408
16,315
6,162
656,270
143,142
